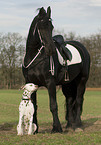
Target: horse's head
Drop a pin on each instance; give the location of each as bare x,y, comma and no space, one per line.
44,28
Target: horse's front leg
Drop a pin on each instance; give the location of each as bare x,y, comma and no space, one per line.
34,101
53,106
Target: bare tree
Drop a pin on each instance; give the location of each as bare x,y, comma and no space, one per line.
12,48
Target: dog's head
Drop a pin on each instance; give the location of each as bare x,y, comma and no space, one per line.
30,87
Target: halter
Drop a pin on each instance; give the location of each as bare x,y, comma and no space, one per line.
38,33
42,43
39,50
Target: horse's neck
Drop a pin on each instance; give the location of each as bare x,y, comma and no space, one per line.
32,47
32,44
30,54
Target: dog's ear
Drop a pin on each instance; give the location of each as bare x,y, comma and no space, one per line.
22,88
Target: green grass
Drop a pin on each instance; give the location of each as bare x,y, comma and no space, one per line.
9,116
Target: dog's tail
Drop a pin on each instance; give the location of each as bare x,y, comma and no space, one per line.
35,127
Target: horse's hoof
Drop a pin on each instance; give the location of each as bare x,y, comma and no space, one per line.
57,130
78,130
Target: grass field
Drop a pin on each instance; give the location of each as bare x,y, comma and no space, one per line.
91,117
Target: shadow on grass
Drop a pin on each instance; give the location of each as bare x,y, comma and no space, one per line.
7,126
92,124
89,122
45,127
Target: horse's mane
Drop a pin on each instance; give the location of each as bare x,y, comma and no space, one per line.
30,38
38,9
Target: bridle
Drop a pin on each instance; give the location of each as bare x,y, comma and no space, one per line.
42,45
36,27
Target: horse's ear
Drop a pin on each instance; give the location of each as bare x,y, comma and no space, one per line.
49,12
42,12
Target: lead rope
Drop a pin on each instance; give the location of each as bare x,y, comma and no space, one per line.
39,51
51,65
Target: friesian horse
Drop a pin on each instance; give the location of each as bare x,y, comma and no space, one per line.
43,66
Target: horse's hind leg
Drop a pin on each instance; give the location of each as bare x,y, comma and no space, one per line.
69,90
79,101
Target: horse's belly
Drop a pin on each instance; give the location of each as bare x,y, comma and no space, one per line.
73,71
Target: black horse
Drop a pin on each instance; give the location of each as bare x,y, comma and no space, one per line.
43,66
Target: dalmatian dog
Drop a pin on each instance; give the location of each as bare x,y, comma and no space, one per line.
26,111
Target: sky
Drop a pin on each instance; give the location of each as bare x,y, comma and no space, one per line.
80,17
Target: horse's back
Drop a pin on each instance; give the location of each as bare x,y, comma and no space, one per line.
81,48
84,56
